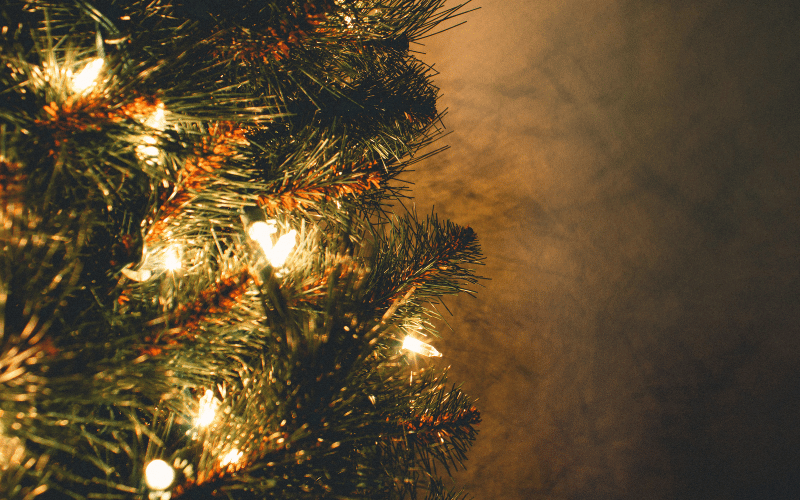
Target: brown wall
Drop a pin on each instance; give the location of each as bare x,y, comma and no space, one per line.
633,171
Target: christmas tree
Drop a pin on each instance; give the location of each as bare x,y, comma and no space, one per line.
212,284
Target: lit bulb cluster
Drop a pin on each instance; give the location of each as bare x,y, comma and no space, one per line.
159,476
85,80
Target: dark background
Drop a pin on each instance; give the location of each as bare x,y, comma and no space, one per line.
631,168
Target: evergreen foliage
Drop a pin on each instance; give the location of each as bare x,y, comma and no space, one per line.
143,146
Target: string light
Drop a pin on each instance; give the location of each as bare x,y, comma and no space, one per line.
148,150
280,252
415,345
155,262
158,119
86,78
208,409
262,231
232,457
277,254
159,475
172,258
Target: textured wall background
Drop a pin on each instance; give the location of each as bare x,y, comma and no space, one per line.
632,170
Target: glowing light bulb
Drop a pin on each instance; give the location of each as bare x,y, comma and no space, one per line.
277,254
280,252
172,259
232,457
148,151
159,475
86,77
262,233
415,345
208,409
158,119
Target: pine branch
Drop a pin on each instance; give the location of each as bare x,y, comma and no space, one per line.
143,146
429,256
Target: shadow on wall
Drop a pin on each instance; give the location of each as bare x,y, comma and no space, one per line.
632,173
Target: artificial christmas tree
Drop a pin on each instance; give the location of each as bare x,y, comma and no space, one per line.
204,289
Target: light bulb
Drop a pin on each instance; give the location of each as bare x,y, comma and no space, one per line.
262,233
158,119
172,259
231,457
280,252
208,409
159,475
415,345
86,77
148,151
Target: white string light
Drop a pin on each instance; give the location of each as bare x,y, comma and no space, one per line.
280,252
208,409
172,258
232,457
415,345
262,233
148,152
155,262
158,119
86,78
159,475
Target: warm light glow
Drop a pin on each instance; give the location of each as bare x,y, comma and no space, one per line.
280,252
11,451
172,259
140,276
277,254
159,475
262,231
208,409
415,345
147,151
87,77
158,119
231,457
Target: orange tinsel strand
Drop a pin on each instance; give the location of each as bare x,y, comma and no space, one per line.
316,187
429,429
217,299
276,42
220,144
